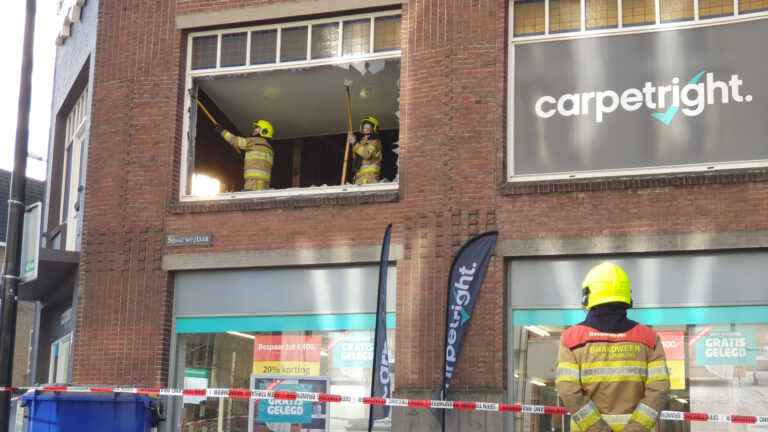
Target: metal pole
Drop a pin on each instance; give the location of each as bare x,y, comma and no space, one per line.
11,267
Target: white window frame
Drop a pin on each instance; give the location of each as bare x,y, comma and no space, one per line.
74,134
277,65
571,175
696,21
58,366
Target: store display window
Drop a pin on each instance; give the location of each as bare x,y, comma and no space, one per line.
313,353
717,358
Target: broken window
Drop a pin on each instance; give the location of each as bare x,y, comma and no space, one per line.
297,77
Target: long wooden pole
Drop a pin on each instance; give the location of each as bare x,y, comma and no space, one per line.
214,121
347,83
206,111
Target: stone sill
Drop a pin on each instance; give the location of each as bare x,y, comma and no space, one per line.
733,176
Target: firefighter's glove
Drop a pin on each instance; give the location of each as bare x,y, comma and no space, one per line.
217,127
352,139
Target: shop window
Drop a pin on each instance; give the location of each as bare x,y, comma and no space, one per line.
326,359
676,10
714,367
295,77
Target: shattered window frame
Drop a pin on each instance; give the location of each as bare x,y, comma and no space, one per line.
192,74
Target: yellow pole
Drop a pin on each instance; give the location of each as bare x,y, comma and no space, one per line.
214,121
351,132
206,111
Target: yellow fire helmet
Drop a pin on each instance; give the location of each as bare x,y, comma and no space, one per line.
372,121
605,283
267,131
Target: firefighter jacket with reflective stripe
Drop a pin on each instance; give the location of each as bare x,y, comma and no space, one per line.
612,381
259,157
369,150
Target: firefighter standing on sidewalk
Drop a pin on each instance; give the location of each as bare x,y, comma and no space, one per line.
611,371
259,155
368,151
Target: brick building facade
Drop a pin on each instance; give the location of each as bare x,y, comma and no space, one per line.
453,181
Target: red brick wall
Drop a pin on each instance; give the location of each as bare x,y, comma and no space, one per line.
452,186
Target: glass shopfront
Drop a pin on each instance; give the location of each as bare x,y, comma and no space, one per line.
710,308
717,358
302,329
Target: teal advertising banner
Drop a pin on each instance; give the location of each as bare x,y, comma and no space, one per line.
354,350
732,345
286,411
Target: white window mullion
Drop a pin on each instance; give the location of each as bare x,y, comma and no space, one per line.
279,41
373,25
248,48
657,6
735,7
583,15
620,12
219,37
695,10
341,37
309,42
546,17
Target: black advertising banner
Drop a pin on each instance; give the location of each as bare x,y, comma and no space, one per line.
380,378
695,98
465,280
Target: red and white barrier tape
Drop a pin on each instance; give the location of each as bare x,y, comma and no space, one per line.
415,403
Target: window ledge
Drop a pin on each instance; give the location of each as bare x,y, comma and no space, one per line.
253,201
731,176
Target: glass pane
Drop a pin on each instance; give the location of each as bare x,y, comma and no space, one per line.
357,37
251,359
263,46
204,52
293,44
67,189
638,12
602,14
715,8
386,34
676,10
325,40
713,368
564,16
529,17
747,6
233,47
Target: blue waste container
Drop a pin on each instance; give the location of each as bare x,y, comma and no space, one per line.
76,413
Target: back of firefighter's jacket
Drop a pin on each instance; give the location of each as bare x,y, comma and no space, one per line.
612,381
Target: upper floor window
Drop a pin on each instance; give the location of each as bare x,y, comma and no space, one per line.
551,17
74,133
282,95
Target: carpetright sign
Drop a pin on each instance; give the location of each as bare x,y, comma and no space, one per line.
679,99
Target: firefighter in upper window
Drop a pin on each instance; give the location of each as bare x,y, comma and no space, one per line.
367,151
611,371
259,155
